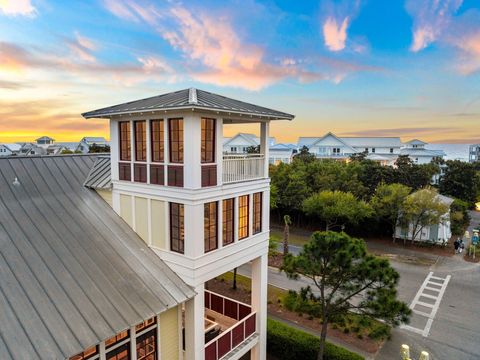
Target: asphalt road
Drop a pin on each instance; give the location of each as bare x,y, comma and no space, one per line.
452,329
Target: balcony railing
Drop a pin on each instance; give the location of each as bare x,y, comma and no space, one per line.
236,334
243,167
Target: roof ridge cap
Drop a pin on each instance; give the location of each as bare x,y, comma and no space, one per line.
192,96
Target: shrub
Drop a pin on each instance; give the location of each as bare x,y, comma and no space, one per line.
285,342
379,332
302,303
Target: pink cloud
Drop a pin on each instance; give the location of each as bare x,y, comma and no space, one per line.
17,8
335,34
430,19
82,47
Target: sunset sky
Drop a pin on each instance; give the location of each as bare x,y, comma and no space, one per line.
408,68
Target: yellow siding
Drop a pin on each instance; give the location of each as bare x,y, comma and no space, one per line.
169,334
106,195
158,223
141,218
126,209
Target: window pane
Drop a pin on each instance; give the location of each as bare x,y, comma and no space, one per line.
120,353
208,140
125,141
87,354
210,226
228,221
147,345
243,216
158,144
176,140
257,213
140,141
177,227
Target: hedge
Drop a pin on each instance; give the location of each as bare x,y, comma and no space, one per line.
286,342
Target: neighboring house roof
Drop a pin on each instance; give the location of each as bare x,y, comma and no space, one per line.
252,139
73,273
45,138
381,142
189,99
422,152
306,141
67,145
12,146
330,134
94,140
445,199
283,147
99,176
416,142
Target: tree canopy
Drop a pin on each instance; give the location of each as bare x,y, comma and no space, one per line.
347,278
461,180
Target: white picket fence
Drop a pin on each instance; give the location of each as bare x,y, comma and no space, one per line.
243,167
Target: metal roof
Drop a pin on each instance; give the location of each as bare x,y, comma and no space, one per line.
386,142
189,99
72,272
99,176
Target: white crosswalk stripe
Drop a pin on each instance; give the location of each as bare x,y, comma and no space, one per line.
427,285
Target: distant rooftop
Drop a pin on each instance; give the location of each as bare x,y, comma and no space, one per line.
189,99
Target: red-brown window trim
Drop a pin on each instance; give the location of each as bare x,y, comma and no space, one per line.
140,135
207,149
157,174
228,236
243,216
177,228
175,175
124,139
157,140
125,171
210,226
140,173
209,175
257,213
144,343
175,140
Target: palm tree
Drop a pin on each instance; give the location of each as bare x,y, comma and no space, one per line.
286,233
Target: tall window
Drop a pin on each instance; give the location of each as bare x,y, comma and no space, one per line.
140,141
177,233
257,213
208,140
157,138
210,226
228,221
243,216
176,140
146,345
125,141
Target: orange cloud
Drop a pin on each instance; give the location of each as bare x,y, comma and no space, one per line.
335,34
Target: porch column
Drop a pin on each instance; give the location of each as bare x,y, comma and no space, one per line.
259,304
264,145
195,326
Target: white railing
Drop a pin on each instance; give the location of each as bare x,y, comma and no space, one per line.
243,167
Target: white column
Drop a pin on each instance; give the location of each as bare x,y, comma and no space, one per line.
266,210
195,326
114,149
259,304
220,223
219,150
192,175
264,145
194,234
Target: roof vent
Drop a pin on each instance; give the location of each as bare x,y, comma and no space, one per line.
192,96
16,182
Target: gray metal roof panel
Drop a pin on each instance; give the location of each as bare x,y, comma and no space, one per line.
72,272
183,100
99,176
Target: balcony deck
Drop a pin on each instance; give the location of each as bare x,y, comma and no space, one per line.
233,323
243,167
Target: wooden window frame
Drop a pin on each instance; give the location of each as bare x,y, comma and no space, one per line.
158,156
157,174
86,354
124,171
208,138
176,156
210,226
140,173
209,175
243,214
151,333
125,154
118,338
140,137
257,213
175,175
114,352
228,231
177,220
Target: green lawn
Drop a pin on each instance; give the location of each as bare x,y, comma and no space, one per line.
294,239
